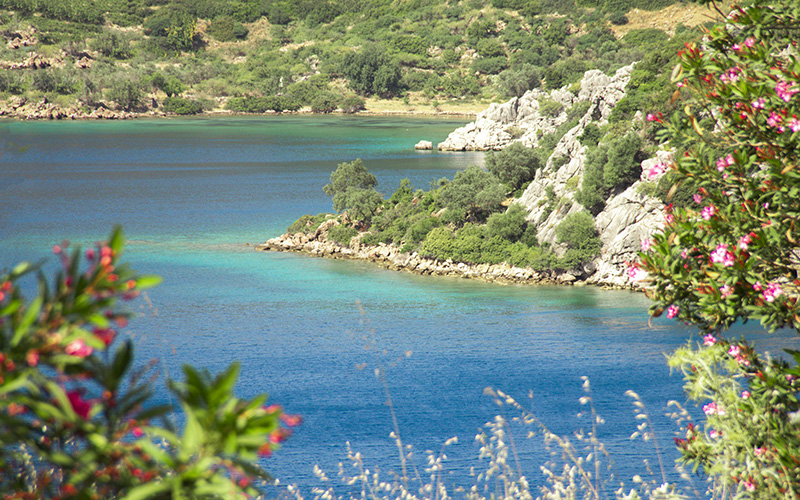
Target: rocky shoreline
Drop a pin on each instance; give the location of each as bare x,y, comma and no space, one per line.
390,257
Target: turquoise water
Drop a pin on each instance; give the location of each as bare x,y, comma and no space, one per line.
192,194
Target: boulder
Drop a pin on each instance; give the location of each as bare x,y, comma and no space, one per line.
423,145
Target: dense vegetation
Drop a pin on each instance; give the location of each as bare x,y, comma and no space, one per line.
261,55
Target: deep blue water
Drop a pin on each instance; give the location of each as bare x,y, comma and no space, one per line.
191,194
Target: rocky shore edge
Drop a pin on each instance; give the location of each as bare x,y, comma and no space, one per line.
390,257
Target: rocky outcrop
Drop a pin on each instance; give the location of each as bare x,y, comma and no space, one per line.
629,216
390,257
523,119
21,108
423,145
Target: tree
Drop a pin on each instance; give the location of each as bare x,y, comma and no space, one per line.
371,71
578,233
77,419
514,165
475,191
735,255
352,187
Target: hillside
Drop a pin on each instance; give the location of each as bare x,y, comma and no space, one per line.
119,58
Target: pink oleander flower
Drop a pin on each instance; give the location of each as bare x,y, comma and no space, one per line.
79,405
708,212
636,274
709,340
784,90
32,358
735,350
750,42
697,197
137,432
774,119
744,241
78,348
746,394
749,486
712,409
759,451
772,292
656,170
730,76
723,163
672,311
669,218
758,286
714,434
736,47
726,291
684,253
647,244
758,103
794,124
721,255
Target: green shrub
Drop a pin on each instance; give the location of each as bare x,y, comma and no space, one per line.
489,65
618,18
226,29
307,223
181,106
325,102
352,104
475,191
510,225
515,164
550,108
578,233
342,234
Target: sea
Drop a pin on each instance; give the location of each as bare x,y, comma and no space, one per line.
344,344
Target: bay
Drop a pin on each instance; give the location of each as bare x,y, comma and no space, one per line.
191,195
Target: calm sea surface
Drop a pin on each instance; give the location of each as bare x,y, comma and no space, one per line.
191,194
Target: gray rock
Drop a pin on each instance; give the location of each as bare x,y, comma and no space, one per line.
423,145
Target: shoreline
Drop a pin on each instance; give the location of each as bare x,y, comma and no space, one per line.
20,108
390,257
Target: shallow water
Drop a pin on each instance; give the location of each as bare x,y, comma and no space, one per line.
192,194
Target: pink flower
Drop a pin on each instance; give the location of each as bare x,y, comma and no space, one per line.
759,451
794,124
722,256
90,254
647,244
745,241
291,420
56,249
758,286
672,311
636,274
669,218
78,348
749,486
713,409
137,432
32,358
746,394
736,47
656,170
758,103
709,340
750,42
772,292
79,405
697,197
783,89
684,253
735,350
714,434
774,119
726,291
708,212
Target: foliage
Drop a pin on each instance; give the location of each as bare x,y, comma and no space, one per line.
515,164
307,223
181,106
734,256
78,421
126,91
475,191
578,234
613,165
342,234
226,29
371,71
510,225
352,188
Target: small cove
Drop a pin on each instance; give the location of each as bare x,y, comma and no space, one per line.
191,193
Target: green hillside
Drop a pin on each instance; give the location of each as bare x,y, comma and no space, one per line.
184,57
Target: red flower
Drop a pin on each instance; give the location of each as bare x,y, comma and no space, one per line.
79,405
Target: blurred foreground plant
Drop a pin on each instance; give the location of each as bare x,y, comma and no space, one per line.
75,416
735,255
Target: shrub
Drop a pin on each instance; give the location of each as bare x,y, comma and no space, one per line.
352,188
510,225
515,164
474,191
514,82
371,71
342,234
578,234
63,345
226,29
126,92
489,65
325,102
618,18
181,106
352,104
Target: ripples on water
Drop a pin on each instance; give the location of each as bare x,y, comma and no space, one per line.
192,193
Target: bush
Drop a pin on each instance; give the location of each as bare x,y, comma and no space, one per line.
510,225
514,165
342,234
474,191
226,29
325,102
126,92
352,104
515,82
181,106
489,65
371,71
352,188
64,345
578,233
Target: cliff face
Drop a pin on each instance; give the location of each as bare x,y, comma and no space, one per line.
629,217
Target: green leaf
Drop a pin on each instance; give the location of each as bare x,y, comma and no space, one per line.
34,308
146,281
117,241
192,432
147,491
